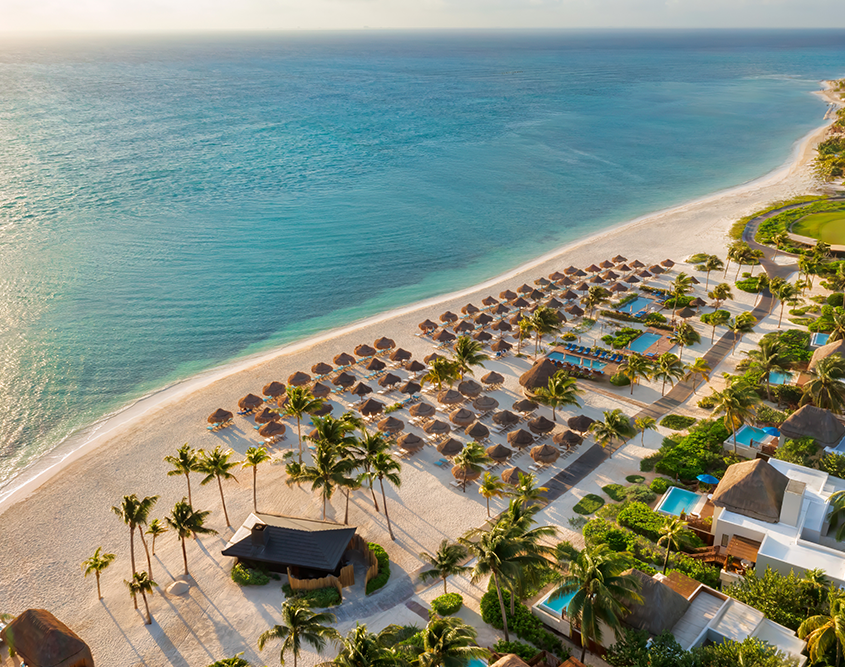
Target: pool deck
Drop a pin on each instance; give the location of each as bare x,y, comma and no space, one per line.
610,366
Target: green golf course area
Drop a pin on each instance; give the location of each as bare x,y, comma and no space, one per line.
828,226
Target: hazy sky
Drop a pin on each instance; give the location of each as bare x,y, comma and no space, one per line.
181,15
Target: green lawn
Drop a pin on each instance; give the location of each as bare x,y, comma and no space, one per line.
828,226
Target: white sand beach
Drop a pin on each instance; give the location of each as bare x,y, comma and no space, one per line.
52,524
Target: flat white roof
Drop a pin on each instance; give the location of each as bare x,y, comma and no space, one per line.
737,621
777,635
703,609
787,550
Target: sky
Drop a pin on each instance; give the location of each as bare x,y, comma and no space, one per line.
279,15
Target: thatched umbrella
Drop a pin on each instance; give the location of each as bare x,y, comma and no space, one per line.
668,263
656,269
428,325
524,405
250,402
581,423
618,258
469,309
371,407
502,325
483,319
266,415
375,364
410,387
505,418
384,343
364,350
545,454
624,268
617,287
556,276
299,379
553,303
561,318
698,302
462,417
566,282
610,275
422,410
507,295
536,295
431,357
482,336
571,270
515,319
582,287
568,295
469,388
344,380
520,438
400,354
631,279
575,310
606,264
450,447
542,281
220,416
597,280
465,474
389,380
541,425
320,390
593,269
41,640
524,288
323,410
499,453
489,301
410,442
273,389
501,346
567,439
321,369
449,316
511,475
361,389
415,366
391,425
437,427
500,309
538,375
344,359
477,431
444,336
493,378
685,312
450,397
272,430
464,327
520,303
485,403
694,280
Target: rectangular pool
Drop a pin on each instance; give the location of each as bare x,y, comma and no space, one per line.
747,435
578,361
776,377
819,339
477,662
556,606
635,306
644,341
677,500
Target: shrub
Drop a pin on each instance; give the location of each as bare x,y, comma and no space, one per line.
768,415
523,624
649,462
393,408
708,402
800,451
635,479
622,337
383,568
569,337
681,301
795,344
706,317
447,604
836,299
787,393
642,520
245,576
588,504
655,318
614,491
677,422
234,661
748,285
660,485
619,380
524,651
696,452
622,317
834,464
640,493
320,597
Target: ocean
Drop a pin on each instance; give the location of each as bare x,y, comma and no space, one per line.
168,204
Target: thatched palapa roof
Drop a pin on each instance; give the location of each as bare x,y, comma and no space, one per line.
477,431
499,453
299,379
450,447
752,488
250,402
344,359
520,438
42,640
411,442
837,347
812,422
422,410
661,608
219,416
511,475
539,374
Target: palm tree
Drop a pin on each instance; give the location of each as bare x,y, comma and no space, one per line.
471,459
673,533
561,391
491,487
526,492
441,371
808,265
544,321
720,293
821,250
361,648
823,632
134,513
786,293
614,426
97,564
328,472
601,591
185,521
300,624
668,368
741,324
760,284
836,516
385,466
448,642
779,239
838,331
825,388
337,434
217,465
445,562
684,336
712,263
300,402
634,367
184,463
365,450
596,296
155,529
767,359
716,319
643,424
698,369
141,583
468,353
814,581
253,458
680,287
524,331
738,403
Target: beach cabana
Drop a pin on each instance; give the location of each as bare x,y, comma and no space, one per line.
469,309
545,454
539,374
568,439
364,350
505,418
422,410
266,415
520,438
250,402
344,359
361,389
511,475
482,336
581,423
489,301
344,380
389,380
462,417
391,425
469,388
410,442
299,379
41,640
499,453
220,416
661,608
428,325
371,407
410,387
501,346
273,389
321,369
437,427
272,430
477,431
449,316
375,364
450,447
493,378
444,336
485,403
414,367
400,354
752,488
384,343
450,397
540,425
524,406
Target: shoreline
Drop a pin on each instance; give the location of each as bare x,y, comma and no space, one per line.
111,425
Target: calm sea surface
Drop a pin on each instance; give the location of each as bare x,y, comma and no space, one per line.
170,204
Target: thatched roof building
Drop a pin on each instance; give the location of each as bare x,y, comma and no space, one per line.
817,423
42,640
661,608
837,347
752,488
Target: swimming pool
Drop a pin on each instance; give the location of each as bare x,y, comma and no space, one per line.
776,377
579,361
677,500
747,435
644,341
818,339
556,606
635,306
477,662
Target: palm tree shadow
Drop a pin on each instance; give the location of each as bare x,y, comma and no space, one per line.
164,641
125,637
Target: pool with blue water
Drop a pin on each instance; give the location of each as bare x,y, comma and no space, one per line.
580,361
556,606
776,377
678,500
644,341
748,434
819,339
477,662
635,306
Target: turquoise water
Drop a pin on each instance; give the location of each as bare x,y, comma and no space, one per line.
636,305
169,204
746,434
776,377
644,341
477,662
581,361
557,606
678,500
819,339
